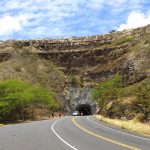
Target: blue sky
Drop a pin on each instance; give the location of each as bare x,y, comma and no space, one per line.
30,19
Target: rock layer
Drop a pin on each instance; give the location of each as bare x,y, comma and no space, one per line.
92,59
87,61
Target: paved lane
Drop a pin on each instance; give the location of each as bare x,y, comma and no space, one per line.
29,136
80,133
87,134
131,140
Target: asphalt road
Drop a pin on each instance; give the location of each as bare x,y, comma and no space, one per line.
69,133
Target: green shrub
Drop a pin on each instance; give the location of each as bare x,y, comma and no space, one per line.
107,91
142,95
74,80
124,40
117,110
114,93
17,96
139,118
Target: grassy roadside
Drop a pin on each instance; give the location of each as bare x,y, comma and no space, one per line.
34,120
132,125
1,125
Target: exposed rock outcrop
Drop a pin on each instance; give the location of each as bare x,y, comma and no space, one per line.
94,58
91,59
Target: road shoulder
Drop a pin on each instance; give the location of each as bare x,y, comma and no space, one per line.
130,125
1,125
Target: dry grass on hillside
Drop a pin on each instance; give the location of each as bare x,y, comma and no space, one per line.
33,69
132,125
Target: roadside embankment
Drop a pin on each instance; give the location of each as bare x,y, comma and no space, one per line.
1,125
132,125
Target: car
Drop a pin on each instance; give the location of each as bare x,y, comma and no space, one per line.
76,113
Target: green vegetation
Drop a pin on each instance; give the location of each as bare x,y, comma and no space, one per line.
142,94
74,80
124,40
115,100
19,96
107,91
33,69
22,93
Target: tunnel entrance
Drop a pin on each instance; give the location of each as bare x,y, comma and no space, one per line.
84,109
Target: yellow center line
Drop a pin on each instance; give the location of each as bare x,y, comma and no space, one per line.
102,137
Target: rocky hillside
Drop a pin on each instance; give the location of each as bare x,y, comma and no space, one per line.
92,59
33,69
78,62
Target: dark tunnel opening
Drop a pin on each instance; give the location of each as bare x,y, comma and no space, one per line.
84,109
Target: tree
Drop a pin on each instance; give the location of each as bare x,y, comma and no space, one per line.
18,95
142,94
107,91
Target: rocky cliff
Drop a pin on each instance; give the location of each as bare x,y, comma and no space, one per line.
86,61
92,59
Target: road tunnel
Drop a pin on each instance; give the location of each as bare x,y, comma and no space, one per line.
84,109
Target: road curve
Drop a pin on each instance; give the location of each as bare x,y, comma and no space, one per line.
69,133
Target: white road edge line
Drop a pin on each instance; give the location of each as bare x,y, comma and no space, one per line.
52,127
118,130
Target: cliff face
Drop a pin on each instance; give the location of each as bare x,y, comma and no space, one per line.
91,59
79,63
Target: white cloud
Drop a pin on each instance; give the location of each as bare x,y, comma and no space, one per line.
21,19
95,4
135,19
9,25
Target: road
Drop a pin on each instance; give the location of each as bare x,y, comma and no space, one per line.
69,133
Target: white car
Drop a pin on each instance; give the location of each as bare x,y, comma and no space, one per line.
76,113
